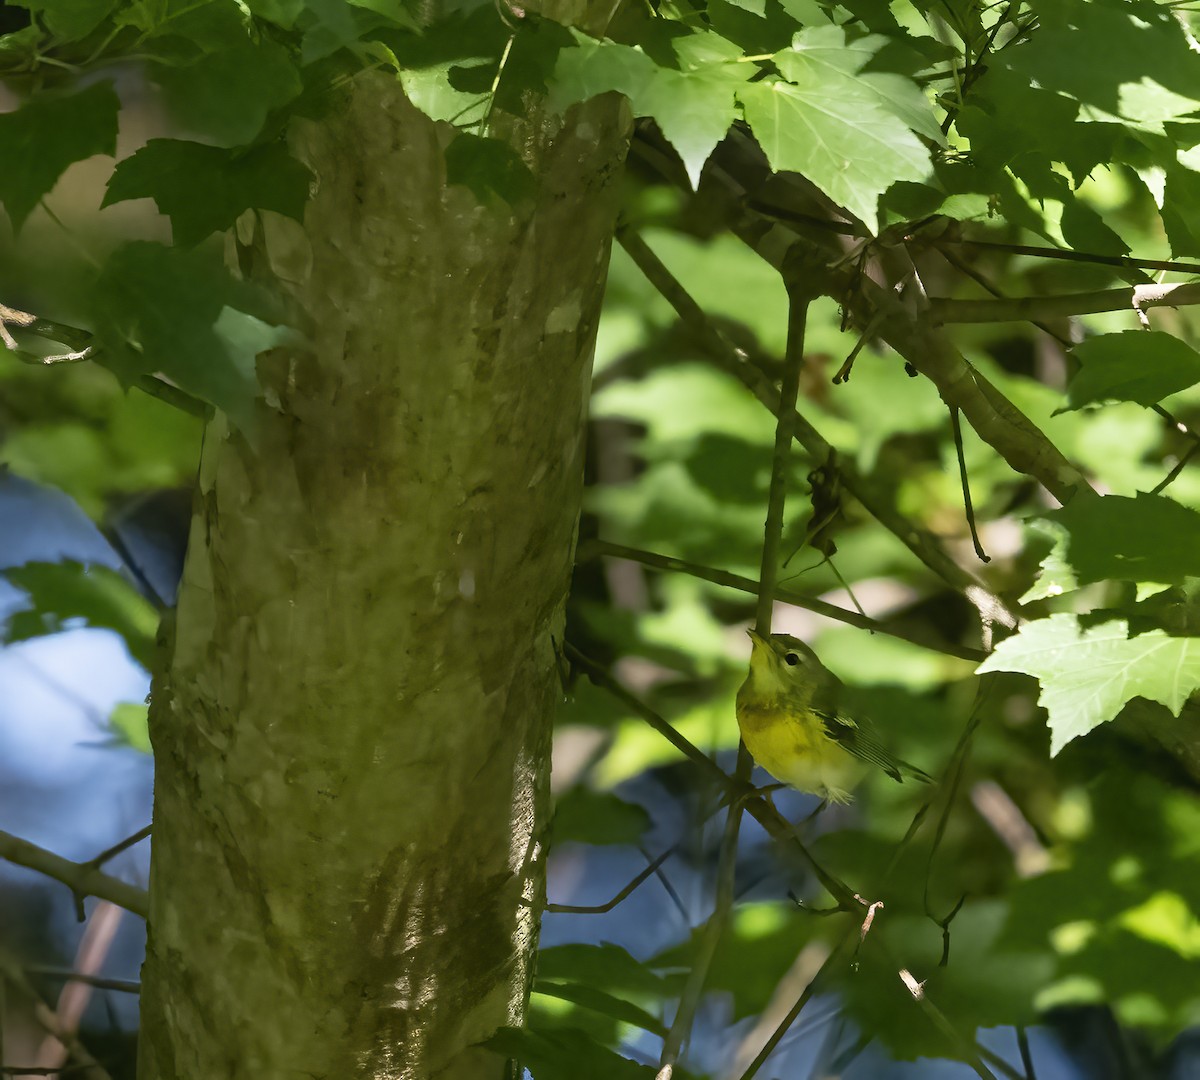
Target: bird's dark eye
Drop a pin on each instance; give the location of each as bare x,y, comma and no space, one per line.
791,659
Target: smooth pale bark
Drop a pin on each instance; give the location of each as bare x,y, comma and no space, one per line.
352,731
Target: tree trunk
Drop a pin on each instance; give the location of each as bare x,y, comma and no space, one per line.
352,729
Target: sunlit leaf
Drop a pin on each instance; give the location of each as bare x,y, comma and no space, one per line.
1087,675
839,137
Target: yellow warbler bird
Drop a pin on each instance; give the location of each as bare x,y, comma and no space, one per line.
788,713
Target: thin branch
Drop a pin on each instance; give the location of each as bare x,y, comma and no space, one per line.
82,879
1026,1056
123,986
117,848
1034,308
736,362
693,988
668,888
713,773
600,909
81,344
849,228
800,294
805,997
595,548
965,480
965,1048
907,329
11,972
997,1062
981,279
1072,255
1179,467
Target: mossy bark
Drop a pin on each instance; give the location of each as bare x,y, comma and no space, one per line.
352,729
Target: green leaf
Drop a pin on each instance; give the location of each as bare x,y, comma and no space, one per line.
755,7
129,722
45,135
70,20
158,309
1087,676
597,67
282,12
65,592
1134,365
822,55
1124,60
1055,575
694,110
1147,538
490,168
566,1054
226,95
204,189
607,967
579,993
598,817
838,137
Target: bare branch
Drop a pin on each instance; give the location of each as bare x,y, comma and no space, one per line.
595,548
82,879
1034,308
965,480
600,909
737,363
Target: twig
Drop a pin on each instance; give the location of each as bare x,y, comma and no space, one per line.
82,347
956,427
1179,467
123,986
1072,255
1033,308
595,548
965,1048
733,360
800,294
997,1062
981,279
116,849
1026,1056
81,878
668,888
693,988
713,773
805,997
74,995
11,972
600,909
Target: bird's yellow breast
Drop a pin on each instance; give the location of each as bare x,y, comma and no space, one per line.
794,747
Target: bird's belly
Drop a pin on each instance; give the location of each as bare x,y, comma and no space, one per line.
808,760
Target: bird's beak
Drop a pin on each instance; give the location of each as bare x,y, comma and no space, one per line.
756,637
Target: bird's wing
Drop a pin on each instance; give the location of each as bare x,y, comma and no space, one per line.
861,739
